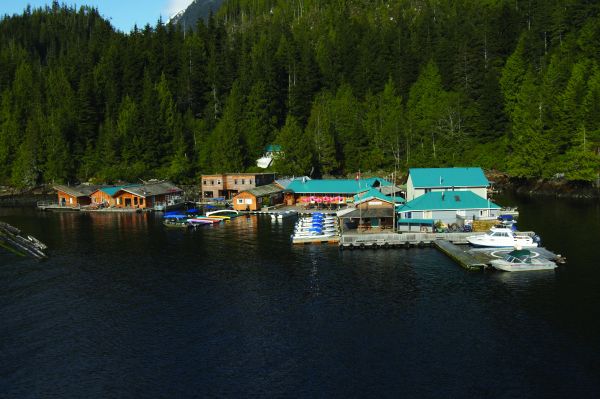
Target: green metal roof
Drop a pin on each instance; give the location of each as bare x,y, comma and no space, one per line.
329,186
375,194
448,177
113,189
273,148
447,200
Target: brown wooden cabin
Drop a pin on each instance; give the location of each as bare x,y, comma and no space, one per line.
74,196
145,195
372,212
227,185
256,198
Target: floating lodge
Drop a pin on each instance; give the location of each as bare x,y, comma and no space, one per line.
370,213
154,195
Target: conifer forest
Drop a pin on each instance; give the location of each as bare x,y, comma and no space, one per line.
341,85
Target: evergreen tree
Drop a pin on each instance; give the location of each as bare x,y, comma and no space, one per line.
297,159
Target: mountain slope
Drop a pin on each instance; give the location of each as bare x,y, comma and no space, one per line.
195,11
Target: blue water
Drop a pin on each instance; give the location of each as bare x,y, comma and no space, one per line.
127,308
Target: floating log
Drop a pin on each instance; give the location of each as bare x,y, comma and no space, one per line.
12,240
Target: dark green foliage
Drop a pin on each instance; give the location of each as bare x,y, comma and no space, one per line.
340,85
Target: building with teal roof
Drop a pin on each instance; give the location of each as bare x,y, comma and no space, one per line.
424,180
375,194
332,191
448,206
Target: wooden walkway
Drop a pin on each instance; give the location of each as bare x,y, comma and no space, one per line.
463,257
385,240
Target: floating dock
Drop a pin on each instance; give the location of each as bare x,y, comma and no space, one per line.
393,240
12,240
317,240
479,258
460,256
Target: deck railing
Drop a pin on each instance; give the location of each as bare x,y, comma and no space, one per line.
55,204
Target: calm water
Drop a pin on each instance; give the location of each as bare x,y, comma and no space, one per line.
125,308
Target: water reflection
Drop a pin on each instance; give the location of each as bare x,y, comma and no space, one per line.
524,280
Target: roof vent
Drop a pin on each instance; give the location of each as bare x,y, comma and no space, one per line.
456,198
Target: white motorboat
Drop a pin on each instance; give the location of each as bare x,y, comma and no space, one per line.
499,237
522,260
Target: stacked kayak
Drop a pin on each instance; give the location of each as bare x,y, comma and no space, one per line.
317,225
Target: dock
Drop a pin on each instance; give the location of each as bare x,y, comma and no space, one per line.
463,257
479,258
14,241
334,240
395,240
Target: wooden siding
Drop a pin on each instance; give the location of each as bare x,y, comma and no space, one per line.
72,201
245,201
100,197
374,203
128,200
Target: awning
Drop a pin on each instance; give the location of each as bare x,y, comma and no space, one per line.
417,221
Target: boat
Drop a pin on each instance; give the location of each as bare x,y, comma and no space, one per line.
229,213
499,237
204,220
522,260
176,222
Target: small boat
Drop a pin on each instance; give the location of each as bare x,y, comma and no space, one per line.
499,237
229,213
203,220
178,223
522,260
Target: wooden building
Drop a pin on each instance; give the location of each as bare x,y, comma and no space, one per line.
373,211
74,196
329,192
148,195
227,185
256,198
104,196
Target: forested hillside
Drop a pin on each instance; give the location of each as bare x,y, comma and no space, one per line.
341,85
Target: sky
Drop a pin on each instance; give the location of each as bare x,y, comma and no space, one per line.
123,14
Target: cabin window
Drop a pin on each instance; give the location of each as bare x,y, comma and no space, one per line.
208,194
204,182
212,182
250,181
235,181
480,213
243,181
135,200
118,201
240,201
142,201
70,200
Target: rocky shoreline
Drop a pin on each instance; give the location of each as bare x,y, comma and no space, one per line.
557,188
